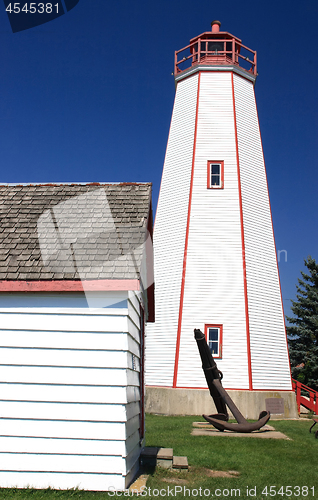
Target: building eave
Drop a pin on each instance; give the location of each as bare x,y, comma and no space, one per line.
102,285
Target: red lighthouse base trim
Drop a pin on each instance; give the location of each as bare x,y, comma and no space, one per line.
226,388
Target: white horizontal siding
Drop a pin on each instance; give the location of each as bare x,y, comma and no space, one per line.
100,482
134,378
134,299
49,446
68,411
58,463
133,312
267,332
61,357
88,340
169,236
68,378
68,429
133,330
64,322
214,286
61,463
68,393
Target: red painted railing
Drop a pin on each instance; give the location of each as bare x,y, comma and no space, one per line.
212,50
310,402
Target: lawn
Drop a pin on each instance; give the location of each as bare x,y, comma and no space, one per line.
260,463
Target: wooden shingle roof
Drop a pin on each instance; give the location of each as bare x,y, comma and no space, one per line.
73,231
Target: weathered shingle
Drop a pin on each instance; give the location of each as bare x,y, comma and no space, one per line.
91,231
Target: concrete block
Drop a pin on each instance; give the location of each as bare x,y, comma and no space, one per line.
180,463
165,458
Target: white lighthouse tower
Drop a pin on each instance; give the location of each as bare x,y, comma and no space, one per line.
214,249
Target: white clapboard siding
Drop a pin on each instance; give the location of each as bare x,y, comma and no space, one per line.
169,236
63,357
69,429
66,463
214,287
64,481
68,340
69,391
133,329
134,300
267,330
132,459
134,315
51,446
69,376
68,411
65,322
61,463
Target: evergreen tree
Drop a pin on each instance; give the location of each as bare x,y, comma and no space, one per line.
303,335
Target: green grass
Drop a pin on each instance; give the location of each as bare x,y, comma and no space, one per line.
260,463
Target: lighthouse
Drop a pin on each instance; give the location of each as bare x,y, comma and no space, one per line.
214,249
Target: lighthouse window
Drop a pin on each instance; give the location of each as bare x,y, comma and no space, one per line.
213,334
215,174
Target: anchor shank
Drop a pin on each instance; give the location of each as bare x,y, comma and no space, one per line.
229,402
211,372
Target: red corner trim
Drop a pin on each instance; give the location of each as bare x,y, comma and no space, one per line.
176,362
69,286
243,248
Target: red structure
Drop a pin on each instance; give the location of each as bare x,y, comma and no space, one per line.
215,47
310,401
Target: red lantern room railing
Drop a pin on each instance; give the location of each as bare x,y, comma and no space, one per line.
215,48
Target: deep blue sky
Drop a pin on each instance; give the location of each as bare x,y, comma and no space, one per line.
89,96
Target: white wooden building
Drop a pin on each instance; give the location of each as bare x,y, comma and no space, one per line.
214,249
75,264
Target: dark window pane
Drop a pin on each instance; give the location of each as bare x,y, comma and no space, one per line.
215,168
215,348
215,180
215,46
213,334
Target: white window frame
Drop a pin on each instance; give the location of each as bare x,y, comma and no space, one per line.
220,163
219,340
